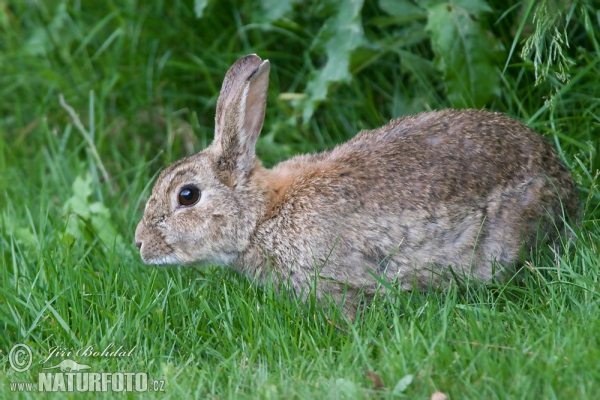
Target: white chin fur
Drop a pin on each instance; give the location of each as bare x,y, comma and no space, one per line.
168,259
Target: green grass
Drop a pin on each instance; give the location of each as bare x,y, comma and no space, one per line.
144,82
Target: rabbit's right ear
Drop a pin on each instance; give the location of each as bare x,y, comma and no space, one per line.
240,116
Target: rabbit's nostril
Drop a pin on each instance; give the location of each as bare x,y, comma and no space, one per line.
138,245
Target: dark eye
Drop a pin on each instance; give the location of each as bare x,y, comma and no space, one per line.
189,195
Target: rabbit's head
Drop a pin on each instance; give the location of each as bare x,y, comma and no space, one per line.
202,208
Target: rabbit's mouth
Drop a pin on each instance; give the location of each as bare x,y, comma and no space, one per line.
151,255
167,259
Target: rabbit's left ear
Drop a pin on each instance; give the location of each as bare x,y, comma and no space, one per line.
240,115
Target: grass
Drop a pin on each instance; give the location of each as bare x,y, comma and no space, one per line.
144,80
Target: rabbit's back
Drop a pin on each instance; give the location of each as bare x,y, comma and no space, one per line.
450,155
446,188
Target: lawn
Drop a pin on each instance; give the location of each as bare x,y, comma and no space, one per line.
97,97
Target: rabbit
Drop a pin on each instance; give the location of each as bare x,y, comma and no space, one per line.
421,201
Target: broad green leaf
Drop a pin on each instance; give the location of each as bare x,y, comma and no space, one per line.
79,207
345,388
42,39
402,12
26,237
272,10
4,20
78,202
199,6
400,7
465,51
475,7
339,37
402,385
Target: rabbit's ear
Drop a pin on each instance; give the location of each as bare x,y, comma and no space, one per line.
240,113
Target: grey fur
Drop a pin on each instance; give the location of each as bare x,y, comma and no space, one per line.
468,189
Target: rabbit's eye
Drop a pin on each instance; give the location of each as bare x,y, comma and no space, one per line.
189,195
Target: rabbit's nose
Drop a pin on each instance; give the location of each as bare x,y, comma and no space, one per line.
138,245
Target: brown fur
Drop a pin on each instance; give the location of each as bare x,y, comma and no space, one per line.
467,189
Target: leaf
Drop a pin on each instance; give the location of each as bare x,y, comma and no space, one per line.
42,40
272,10
78,202
26,237
199,6
400,7
77,206
79,209
402,12
402,385
102,224
466,52
346,388
475,7
339,37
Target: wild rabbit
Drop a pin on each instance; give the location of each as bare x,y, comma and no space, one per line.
419,201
